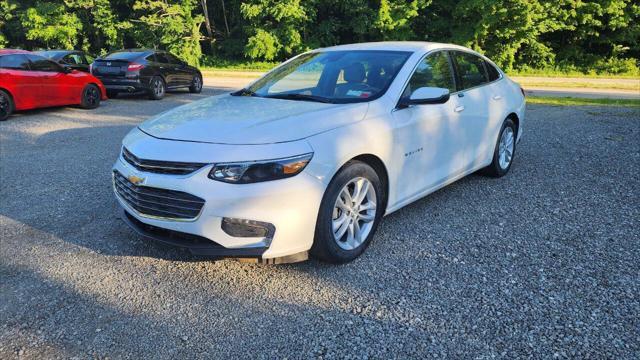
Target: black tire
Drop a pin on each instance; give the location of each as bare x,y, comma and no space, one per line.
157,88
196,84
111,94
6,105
325,247
495,169
90,97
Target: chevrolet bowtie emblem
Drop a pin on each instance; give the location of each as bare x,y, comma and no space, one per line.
136,180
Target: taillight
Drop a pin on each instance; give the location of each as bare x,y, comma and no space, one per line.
134,67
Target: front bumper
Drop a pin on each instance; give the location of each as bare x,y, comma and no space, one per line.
290,205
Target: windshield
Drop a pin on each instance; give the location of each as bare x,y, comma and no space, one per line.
331,76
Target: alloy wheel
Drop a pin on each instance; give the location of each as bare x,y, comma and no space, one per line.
505,149
197,83
91,96
354,213
158,87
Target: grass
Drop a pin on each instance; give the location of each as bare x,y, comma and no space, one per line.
589,83
569,101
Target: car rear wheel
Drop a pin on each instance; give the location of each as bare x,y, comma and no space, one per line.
158,88
504,150
90,97
349,214
196,84
6,105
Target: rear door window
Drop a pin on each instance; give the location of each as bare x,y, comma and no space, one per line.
14,62
172,59
471,71
39,63
162,58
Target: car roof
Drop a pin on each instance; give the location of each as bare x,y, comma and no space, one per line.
411,46
58,51
13,51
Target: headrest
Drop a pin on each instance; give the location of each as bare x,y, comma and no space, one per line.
354,73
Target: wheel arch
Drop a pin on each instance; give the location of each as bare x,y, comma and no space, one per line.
9,93
11,97
516,120
379,167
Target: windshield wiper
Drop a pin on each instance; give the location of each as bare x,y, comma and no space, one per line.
302,97
244,92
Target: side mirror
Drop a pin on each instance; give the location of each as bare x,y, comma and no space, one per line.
67,69
425,95
429,95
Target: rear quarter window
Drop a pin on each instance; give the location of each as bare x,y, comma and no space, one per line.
492,72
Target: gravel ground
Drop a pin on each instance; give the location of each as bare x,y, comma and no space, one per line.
542,263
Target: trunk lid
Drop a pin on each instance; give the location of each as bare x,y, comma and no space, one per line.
107,67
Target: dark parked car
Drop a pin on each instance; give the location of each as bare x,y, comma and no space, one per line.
74,59
142,70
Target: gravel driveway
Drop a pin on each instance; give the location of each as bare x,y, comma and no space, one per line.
543,263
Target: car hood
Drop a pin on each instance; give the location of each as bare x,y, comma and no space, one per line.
227,119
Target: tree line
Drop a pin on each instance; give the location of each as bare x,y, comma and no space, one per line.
581,35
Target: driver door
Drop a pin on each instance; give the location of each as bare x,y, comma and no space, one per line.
427,137
48,74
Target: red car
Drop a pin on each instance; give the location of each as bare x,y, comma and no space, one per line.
29,81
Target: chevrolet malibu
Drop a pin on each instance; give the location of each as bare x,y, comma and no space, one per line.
308,159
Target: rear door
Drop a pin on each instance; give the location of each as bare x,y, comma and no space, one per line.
16,77
473,106
183,74
167,69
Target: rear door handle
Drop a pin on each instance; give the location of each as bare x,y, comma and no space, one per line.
459,108
497,97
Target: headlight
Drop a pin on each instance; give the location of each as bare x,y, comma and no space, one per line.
257,171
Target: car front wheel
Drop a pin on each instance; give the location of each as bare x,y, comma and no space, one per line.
349,214
6,105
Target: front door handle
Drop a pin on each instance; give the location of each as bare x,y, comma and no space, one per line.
497,97
459,108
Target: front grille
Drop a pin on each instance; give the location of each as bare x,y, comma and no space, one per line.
150,201
160,167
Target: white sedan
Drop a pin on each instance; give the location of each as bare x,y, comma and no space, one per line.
308,159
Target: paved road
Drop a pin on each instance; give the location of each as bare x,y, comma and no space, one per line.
541,263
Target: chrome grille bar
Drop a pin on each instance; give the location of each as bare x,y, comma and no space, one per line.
161,167
155,202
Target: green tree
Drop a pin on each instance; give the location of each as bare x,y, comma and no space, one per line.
173,26
273,27
7,10
395,16
102,29
50,25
